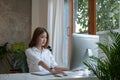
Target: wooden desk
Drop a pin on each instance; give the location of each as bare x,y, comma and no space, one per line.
28,76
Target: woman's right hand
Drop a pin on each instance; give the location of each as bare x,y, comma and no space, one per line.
53,71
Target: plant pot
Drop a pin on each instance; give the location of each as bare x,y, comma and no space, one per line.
15,70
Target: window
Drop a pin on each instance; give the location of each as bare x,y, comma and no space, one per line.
80,16
107,15
65,33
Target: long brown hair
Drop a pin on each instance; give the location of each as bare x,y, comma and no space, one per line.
38,31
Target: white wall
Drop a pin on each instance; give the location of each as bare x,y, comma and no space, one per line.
39,13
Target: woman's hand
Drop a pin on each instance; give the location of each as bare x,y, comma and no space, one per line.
53,71
59,69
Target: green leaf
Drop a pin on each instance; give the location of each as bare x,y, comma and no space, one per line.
107,68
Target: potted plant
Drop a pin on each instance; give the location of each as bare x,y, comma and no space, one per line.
4,52
15,56
18,58
107,68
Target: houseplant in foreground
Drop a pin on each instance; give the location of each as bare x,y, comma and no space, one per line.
4,52
108,67
18,58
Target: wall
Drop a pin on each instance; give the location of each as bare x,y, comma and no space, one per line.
18,19
39,13
15,16
15,23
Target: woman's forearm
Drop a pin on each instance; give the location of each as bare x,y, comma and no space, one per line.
44,65
61,68
52,70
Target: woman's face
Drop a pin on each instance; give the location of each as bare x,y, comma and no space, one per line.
42,39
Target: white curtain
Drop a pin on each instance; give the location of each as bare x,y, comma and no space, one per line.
56,29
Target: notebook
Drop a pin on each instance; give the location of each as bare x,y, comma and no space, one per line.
48,73
41,73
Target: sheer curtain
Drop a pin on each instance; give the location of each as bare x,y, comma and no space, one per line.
56,29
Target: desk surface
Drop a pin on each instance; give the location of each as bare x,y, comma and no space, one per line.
28,76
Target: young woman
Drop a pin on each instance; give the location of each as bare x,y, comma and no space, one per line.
39,58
